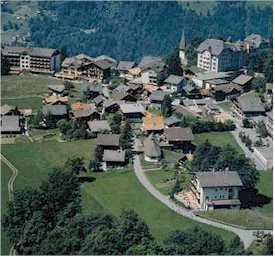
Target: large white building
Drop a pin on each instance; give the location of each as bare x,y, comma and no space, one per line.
218,55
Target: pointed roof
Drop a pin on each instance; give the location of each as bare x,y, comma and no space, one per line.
182,41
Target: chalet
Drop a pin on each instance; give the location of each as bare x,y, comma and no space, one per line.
56,99
123,96
124,66
226,91
37,60
133,112
152,150
11,124
218,189
151,62
157,97
86,114
111,62
57,112
56,90
99,100
98,126
171,121
111,106
179,137
244,81
108,141
135,89
175,83
114,159
94,91
254,42
248,105
149,77
152,123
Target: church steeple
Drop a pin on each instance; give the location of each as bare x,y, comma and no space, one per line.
182,41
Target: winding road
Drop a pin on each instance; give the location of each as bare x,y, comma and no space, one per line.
10,187
245,235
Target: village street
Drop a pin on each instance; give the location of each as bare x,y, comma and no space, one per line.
246,236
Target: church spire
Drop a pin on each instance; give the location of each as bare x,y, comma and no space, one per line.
182,41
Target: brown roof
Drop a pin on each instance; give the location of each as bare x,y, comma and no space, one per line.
107,139
151,148
151,122
178,134
53,99
98,125
114,156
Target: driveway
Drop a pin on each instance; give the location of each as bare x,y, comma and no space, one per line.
246,236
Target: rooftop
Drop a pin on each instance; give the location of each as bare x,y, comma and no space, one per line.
107,139
99,125
114,156
178,134
151,122
10,123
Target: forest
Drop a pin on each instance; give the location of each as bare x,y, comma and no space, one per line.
129,30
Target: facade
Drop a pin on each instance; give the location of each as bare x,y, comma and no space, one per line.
218,55
37,60
133,112
178,137
218,189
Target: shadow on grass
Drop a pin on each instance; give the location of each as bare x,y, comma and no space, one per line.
252,198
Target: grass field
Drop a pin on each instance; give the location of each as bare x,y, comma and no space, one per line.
25,85
5,176
33,103
257,248
115,191
260,217
34,160
218,139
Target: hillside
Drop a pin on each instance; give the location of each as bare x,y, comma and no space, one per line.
128,30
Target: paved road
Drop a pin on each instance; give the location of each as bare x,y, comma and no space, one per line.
246,236
10,188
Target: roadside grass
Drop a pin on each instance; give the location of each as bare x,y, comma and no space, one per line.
257,218
226,106
33,103
5,176
257,248
115,191
217,138
35,160
28,84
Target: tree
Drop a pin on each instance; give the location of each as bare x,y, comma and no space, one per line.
99,150
94,165
261,129
115,123
173,63
5,66
258,84
126,136
37,119
75,165
247,123
166,107
176,188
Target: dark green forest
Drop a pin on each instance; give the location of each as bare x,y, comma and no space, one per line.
129,30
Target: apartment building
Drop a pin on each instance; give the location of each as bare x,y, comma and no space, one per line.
36,59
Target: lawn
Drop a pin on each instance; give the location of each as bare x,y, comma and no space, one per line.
33,85
33,103
217,138
258,218
257,248
5,176
34,160
114,191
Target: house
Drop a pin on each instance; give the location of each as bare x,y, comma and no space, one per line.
99,100
86,114
56,99
149,77
98,126
111,62
123,96
175,83
56,89
152,150
133,112
157,97
254,42
226,91
135,89
269,122
37,60
94,91
113,159
152,123
9,110
219,56
111,106
83,67
155,63
11,124
248,105
171,121
108,141
179,137
57,112
244,81
124,66
214,190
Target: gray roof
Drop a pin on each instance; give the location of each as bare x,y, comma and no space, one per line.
174,79
107,139
99,125
35,51
210,75
151,62
217,81
112,62
10,123
57,88
95,88
56,110
114,156
158,95
99,99
216,46
178,134
270,114
171,120
125,65
132,108
250,103
254,39
83,113
219,179
151,148
242,79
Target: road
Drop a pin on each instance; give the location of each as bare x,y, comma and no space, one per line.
246,236
10,188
